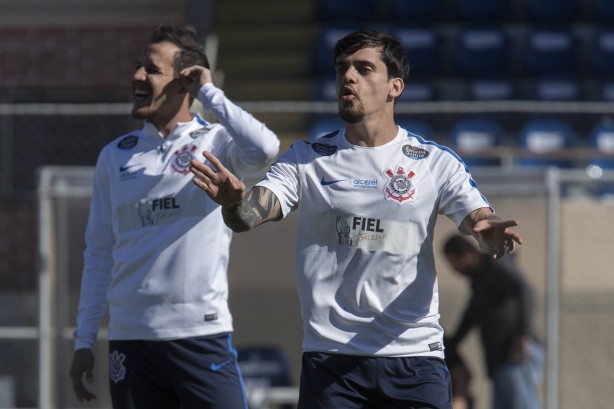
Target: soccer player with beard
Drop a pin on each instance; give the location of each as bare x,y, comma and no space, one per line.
157,253
369,298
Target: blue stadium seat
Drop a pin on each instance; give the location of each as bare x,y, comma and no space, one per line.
544,137
606,91
324,125
416,127
423,49
474,137
559,10
325,90
484,10
603,10
554,89
602,51
350,11
483,51
550,51
263,367
414,10
491,89
417,90
602,141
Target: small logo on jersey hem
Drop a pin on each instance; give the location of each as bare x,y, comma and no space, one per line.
330,182
414,153
217,367
435,346
117,369
399,186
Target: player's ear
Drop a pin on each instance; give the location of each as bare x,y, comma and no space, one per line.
396,87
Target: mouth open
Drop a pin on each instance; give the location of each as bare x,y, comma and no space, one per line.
347,94
140,95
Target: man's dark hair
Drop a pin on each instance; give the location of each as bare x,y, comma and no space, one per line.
457,245
184,37
392,52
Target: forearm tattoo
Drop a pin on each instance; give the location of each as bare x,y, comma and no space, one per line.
258,206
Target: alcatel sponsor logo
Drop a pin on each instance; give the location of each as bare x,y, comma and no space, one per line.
364,183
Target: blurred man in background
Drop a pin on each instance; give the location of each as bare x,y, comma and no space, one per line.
501,307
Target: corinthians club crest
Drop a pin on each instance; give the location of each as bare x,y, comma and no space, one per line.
183,156
399,186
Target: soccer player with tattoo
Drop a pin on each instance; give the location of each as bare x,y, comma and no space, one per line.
367,198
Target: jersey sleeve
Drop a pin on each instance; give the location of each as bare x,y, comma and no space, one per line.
459,194
98,261
283,180
251,145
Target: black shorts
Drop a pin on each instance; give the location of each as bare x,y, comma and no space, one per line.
356,382
200,372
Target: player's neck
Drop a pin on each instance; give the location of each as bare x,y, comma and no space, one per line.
370,133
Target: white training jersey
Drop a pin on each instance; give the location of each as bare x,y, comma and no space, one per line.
364,259
156,245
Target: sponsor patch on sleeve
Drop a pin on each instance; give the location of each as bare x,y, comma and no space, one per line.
413,152
128,142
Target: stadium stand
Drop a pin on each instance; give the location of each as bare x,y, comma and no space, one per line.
475,136
484,10
347,10
491,89
563,89
543,139
561,10
550,51
423,45
414,11
416,127
483,51
602,51
603,10
602,141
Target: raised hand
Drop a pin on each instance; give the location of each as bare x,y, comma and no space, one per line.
220,184
195,77
495,236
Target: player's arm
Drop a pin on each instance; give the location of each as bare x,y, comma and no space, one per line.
494,235
258,206
241,211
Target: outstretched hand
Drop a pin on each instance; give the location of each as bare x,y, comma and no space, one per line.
495,236
220,185
194,77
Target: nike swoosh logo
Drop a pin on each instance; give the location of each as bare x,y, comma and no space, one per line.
217,367
124,168
330,182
